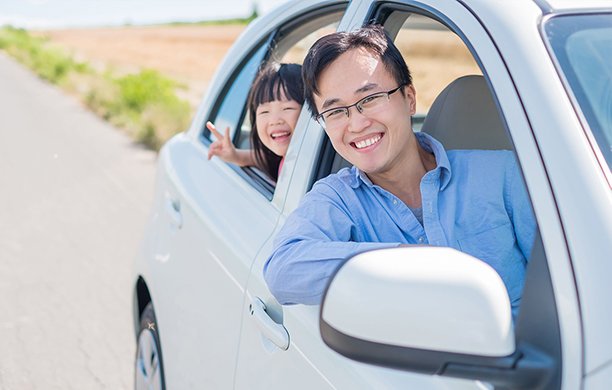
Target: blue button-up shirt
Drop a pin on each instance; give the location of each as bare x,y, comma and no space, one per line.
473,201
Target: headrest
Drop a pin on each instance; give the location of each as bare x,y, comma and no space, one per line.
465,116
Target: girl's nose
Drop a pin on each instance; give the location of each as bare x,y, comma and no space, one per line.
277,119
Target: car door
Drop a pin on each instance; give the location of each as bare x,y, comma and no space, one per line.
307,362
214,217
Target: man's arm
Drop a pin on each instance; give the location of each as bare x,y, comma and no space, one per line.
315,239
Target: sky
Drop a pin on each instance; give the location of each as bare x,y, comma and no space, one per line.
59,14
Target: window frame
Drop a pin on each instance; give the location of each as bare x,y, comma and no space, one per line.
574,90
381,13
538,323
271,42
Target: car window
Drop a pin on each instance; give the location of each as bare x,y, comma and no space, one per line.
290,52
297,52
439,61
230,113
582,45
435,55
288,43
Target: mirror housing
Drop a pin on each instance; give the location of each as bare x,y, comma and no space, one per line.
419,309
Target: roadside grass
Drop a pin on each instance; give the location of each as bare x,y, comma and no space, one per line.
48,62
144,104
240,21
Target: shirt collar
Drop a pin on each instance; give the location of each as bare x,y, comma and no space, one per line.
428,143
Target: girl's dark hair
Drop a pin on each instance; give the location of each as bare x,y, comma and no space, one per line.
272,82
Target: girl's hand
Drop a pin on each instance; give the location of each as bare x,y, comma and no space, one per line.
223,147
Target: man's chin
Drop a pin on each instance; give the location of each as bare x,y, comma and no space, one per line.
368,169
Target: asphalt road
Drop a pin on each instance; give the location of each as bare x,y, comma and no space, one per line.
74,197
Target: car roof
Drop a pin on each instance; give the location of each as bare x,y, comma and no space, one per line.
565,5
547,6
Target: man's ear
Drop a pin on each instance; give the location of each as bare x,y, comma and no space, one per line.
410,96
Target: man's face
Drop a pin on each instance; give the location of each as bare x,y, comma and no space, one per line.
378,143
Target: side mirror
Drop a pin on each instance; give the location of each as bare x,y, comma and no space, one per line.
430,310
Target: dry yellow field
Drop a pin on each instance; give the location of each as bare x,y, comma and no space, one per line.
191,53
188,54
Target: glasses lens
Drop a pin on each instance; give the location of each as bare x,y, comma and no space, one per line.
374,103
335,117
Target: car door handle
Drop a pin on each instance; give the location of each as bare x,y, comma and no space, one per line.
173,210
277,333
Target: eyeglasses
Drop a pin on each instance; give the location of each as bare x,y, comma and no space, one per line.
369,105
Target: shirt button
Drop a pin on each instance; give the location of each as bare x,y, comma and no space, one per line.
421,239
395,202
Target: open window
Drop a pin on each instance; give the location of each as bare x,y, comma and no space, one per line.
287,43
456,105
436,56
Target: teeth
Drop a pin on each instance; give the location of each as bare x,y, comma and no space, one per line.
274,136
367,142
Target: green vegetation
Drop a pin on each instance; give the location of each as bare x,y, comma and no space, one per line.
241,21
144,104
48,62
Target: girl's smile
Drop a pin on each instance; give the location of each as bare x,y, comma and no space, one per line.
275,123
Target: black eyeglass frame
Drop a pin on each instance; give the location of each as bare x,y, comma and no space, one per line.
321,121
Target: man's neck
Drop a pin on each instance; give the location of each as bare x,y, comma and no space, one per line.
405,180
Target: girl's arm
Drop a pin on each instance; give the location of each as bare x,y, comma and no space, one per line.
226,151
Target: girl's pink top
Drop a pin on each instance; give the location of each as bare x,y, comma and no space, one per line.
280,166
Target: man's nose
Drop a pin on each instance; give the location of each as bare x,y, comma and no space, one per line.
357,122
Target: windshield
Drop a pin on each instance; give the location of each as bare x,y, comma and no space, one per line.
582,45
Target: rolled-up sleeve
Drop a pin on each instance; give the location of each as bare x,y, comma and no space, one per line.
313,242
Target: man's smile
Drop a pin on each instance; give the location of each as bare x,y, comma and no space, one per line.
367,142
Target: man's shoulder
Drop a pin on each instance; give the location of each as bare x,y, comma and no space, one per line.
345,179
336,188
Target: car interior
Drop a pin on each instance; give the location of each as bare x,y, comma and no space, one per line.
445,72
460,123
434,55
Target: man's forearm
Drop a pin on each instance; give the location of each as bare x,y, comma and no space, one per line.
298,272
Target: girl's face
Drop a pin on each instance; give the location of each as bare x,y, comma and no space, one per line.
275,123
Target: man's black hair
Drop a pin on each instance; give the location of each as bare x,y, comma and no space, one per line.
327,49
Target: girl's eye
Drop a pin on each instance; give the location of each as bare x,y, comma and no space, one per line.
262,112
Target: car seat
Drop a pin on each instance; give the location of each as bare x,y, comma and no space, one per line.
465,116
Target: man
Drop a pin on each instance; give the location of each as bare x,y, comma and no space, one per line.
403,189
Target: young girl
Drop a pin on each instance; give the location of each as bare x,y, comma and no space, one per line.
274,105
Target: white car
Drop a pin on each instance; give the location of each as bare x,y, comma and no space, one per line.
533,76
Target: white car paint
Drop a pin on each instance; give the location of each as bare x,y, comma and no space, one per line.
203,275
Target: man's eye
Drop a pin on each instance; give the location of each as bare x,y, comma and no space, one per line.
371,99
334,113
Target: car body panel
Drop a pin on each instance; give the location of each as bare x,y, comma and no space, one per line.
543,121
308,363
203,276
600,379
580,186
565,5
213,210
